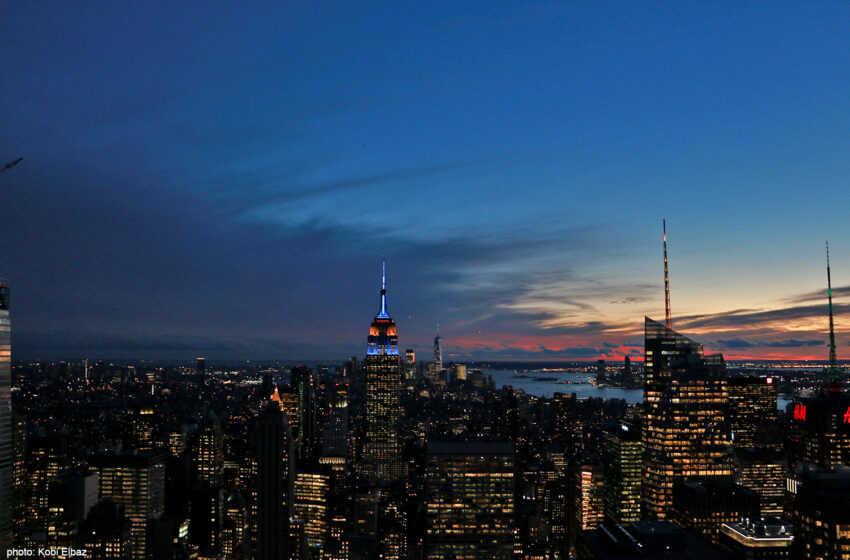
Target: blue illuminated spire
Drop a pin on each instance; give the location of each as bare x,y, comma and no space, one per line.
383,313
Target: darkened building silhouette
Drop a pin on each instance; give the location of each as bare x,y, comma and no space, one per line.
706,505
275,451
647,540
821,516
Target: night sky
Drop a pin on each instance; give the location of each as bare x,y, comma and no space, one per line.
222,178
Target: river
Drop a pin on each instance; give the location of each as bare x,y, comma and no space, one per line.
540,383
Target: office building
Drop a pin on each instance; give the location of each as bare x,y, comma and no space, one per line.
821,516
684,432
470,501
622,458
381,458
704,506
752,410
310,505
135,480
763,470
209,454
589,492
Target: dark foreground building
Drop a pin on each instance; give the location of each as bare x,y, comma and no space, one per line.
648,540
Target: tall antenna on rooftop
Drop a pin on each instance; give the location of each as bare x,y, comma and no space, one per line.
666,280
832,370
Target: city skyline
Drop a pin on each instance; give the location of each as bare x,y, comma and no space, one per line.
227,191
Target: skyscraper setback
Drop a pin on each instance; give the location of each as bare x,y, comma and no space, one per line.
381,454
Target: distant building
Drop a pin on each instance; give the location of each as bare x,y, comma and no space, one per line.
757,539
209,453
459,372
470,501
685,399
438,352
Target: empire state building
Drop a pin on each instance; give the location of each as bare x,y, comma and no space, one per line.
381,456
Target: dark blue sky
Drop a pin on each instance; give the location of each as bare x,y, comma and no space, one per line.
220,179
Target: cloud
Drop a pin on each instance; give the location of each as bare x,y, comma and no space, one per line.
752,317
738,343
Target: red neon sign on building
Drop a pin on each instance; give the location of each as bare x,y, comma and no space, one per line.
847,416
799,412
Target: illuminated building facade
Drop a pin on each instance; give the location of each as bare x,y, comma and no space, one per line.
752,407
589,492
685,399
310,505
135,481
469,490
6,452
763,471
381,454
623,461
209,454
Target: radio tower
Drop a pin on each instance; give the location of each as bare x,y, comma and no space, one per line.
666,280
832,370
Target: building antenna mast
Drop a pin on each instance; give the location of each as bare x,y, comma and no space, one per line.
666,280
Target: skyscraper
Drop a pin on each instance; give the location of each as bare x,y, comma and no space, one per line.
470,501
381,456
752,409
685,399
134,480
623,460
438,352
275,450
6,479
